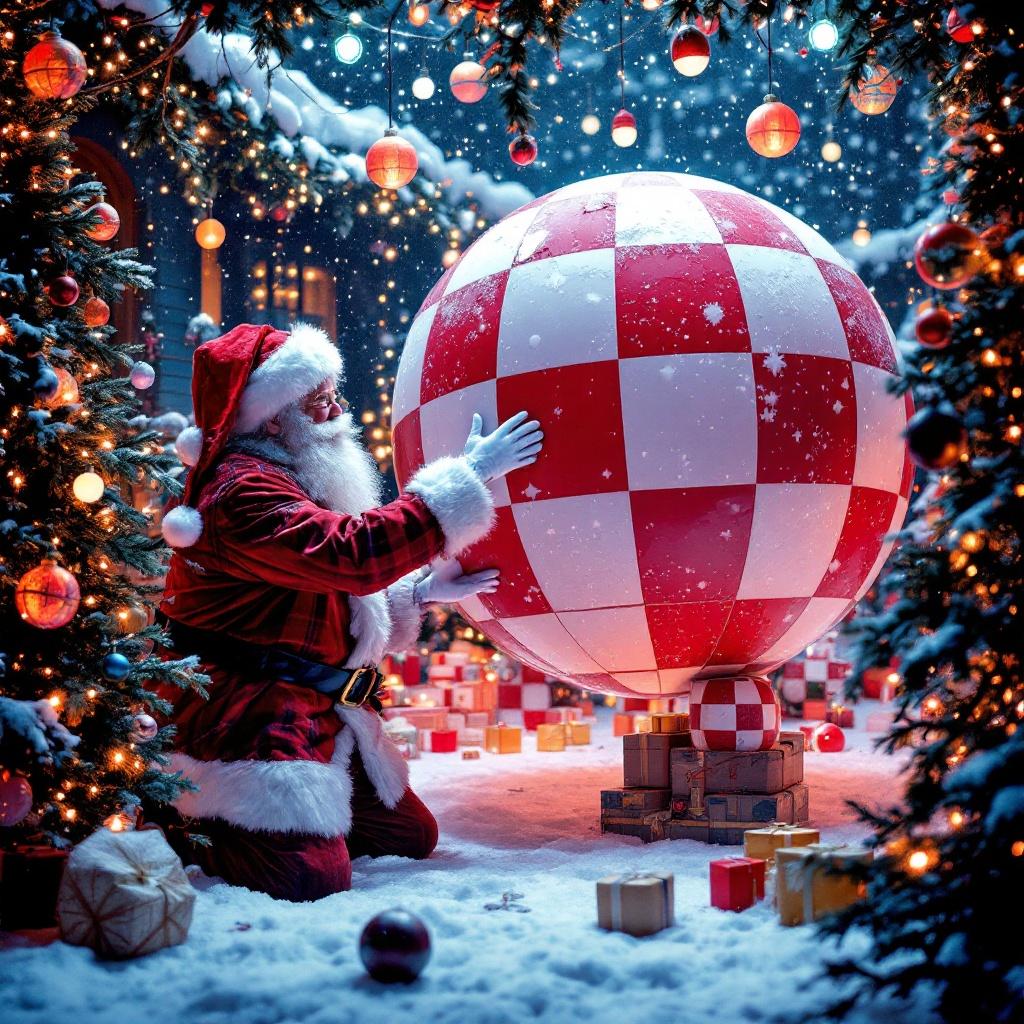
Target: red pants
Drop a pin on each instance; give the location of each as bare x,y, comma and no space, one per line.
291,866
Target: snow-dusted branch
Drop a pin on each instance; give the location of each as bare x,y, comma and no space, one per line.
35,723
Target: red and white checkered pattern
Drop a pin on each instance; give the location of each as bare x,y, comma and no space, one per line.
734,714
721,459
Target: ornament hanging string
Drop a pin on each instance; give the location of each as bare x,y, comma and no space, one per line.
622,59
391,22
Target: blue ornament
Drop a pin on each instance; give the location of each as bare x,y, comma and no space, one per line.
116,667
46,385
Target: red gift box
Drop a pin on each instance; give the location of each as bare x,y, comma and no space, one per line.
411,670
547,716
587,708
510,695
737,882
839,715
815,709
635,704
30,877
443,741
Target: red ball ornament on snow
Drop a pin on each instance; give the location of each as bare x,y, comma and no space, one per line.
692,515
773,129
947,255
15,799
934,327
734,713
960,31
54,69
47,596
394,946
691,51
391,162
523,150
828,738
109,222
875,94
96,312
63,291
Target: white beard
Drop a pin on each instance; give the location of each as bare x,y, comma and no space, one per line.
330,462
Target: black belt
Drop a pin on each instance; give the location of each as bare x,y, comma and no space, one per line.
350,687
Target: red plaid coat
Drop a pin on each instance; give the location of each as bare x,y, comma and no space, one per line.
273,567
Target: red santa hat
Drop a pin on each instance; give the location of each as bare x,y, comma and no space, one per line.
239,381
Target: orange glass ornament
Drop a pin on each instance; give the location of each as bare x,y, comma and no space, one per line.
773,129
95,312
875,94
47,596
54,69
67,390
391,162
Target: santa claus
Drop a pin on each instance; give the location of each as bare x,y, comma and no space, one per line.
290,581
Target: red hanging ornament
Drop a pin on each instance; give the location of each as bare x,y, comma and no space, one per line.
54,69
484,6
947,255
773,129
47,596
875,93
96,312
67,390
934,327
523,149
391,162
691,51
63,290
109,222
960,31
624,131
15,799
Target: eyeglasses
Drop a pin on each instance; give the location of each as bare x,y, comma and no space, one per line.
325,400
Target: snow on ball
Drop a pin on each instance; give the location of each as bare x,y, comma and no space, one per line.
722,458
142,376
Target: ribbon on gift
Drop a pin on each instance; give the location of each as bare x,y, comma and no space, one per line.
786,829
616,896
753,877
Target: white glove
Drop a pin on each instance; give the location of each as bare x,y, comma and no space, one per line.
513,445
446,583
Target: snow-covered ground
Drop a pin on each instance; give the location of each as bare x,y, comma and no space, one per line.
528,823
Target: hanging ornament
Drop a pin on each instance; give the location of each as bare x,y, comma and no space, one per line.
88,487
144,728
394,946
348,48
54,69
591,124
63,290
468,81
823,35
109,222
47,596
934,327
132,619
67,390
523,149
280,213
419,14
708,26
484,6
95,312
210,233
960,31
423,86
947,255
391,162
828,738
624,131
691,51
773,129
935,437
116,667
46,386
142,376
15,799
875,93
831,152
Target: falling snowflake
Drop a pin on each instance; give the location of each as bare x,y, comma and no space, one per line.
798,436
606,474
667,372
713,313
833,566
774,362
837,407
771,398
534,340
726,534
556,279
768,415
531,492
557,410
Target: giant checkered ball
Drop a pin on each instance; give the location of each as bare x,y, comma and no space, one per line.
729,713
722,457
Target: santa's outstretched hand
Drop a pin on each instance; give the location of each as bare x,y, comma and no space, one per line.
513,445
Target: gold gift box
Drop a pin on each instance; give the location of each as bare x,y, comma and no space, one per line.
577,733
639,904
503,739
810,882
675,722
764,842
551,736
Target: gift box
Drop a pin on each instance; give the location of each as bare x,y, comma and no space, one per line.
471,754
30,877
443,741
812,881
638,904
551,736
503,739
670,722
840,715
641,722
741,771
478,719
411,669
532,719
405,736
622,725
764,842
644,705
510,695
470,737
648,827
816,709
510,716
425,696
725,818
564,714
737,882
449,658
586,708
422,718
634,800
646,757
880,683
455,720
577,733
535,696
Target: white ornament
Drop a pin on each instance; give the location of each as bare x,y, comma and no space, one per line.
142,376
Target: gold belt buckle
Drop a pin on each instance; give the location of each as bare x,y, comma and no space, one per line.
356,681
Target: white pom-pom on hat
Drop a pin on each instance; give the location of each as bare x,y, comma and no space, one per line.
182,526
188,444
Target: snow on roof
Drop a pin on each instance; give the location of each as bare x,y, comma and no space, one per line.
315,121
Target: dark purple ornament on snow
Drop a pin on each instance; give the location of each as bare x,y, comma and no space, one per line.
394,946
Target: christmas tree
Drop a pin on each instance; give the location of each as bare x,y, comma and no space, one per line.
79,743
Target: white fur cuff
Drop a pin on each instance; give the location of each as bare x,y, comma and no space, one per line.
406,614
459,499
